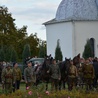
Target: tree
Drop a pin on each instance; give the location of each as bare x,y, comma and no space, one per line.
33,42
58,52
14,55
42,51
7,52
7,25
2,57
10,35
26,52
87,50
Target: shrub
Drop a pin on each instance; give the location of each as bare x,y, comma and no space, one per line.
36,93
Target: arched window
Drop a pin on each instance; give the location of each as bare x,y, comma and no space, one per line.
92,43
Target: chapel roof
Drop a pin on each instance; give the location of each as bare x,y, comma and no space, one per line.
77,10
54,21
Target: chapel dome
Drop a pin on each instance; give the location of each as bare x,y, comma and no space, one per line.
77,10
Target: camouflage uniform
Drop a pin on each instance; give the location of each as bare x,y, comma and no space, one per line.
55,75
29,76
72,74
88,73
18,77
8,79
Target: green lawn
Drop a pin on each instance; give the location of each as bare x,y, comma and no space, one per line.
40,91
23,86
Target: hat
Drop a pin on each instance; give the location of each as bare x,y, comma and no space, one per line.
14,64
29,61
53,59
8,65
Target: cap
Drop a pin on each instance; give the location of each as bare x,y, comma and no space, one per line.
29,61
14,64
8,65
54,60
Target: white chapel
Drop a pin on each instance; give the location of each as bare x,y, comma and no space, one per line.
74,23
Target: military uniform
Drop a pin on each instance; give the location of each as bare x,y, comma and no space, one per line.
55,75
72,74
80,70
8,79
29,76
80,74
18,77
88,73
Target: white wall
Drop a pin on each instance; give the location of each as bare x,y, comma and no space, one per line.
62,31
83,31
73,37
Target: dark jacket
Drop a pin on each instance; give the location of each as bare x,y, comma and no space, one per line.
55,71
95,64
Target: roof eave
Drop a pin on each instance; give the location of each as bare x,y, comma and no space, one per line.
54,21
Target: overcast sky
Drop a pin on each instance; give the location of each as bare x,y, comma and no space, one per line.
32,13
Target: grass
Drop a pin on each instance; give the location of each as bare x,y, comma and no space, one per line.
23,86
40,91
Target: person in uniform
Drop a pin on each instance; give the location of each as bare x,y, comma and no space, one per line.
29,75
8,78
95,64
72,75
80,72
88,73
55,75
18,76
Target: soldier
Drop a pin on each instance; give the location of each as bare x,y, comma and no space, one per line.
95,64
29,75
8,78
80,72
18,76
55,74
88,73
72,74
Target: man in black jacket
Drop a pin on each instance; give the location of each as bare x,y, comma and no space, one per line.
95,64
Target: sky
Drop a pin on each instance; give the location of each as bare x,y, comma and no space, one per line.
32,13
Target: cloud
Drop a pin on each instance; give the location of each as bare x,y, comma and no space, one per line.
42,28
37,12
3,1
32,12
35,8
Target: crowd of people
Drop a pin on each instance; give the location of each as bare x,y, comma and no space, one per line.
85,72
11,77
